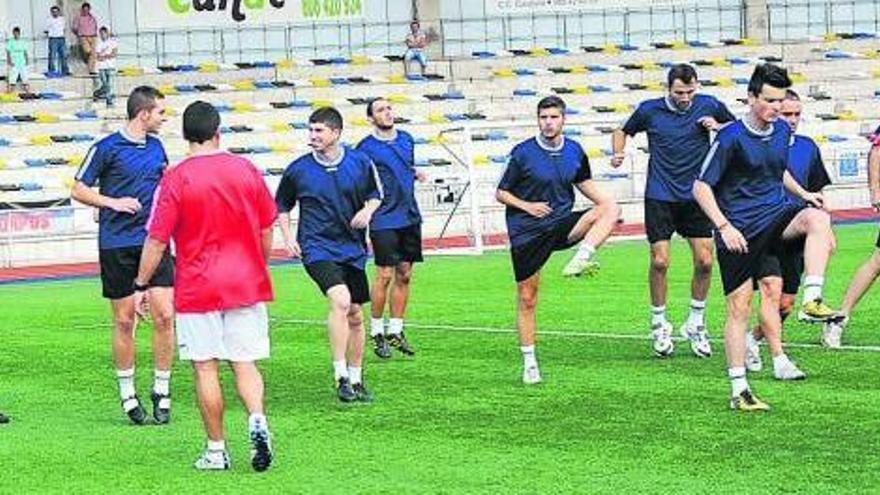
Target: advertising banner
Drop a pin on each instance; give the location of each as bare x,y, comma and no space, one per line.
524,7
175,14
25,223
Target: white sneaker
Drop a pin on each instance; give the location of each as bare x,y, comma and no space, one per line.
698,338
531,375
788,371
753,356
580,266
832,332
213,460
662,335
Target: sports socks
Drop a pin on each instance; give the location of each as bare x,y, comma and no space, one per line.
340,370
395,326
529,359
161,382
126,383
696,316
585,251
813,287
377,326
738,382
658,315
354,374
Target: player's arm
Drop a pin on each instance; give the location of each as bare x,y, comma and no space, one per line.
791,184
874,176
538,209
733,238
285,200
618,145
374,197
86,195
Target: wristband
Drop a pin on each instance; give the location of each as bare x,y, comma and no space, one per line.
722,226
139,287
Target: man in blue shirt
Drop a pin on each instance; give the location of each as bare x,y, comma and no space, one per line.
741,188
537,188
806,167
127,166
678,127
338,191
396,228
868,272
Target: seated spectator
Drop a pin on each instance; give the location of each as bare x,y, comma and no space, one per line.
416,42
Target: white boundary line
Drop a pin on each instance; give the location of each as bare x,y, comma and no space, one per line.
568,333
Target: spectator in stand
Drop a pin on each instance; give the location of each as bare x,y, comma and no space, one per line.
416,42
55,27
105,52
17,61
85,27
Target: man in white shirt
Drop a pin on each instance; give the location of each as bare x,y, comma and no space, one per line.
105,54
55,27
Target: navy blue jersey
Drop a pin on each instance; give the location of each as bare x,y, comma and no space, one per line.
806,166
123,166
329,195
395,161
745,169
538,174
677,142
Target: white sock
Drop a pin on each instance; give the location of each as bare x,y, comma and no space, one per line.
751,341
738,382
585,251
257,422
126,383
529,359
395,326
780,361
340,370
698,310
161,382
658,315
377,326
813,287
216,445
354,374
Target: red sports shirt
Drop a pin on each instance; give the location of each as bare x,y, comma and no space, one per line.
214,207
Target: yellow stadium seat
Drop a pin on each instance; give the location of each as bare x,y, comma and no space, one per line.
650,65
831,37
481,160
438,139
595,153
321,103
847,115
821,139
279,126
503,72
748,42
655,86
797,77
68,182
679,45
2,163
578,69
725,82
621,107
41,140
360,60
539,52
171,112
720,62
45,117
611,49
581,90
320,82
397,78
359,121
876,73
131,71
279,147
243,85
398,98
8,97
285,63
437,118
242,107
168,89
209,67
75,160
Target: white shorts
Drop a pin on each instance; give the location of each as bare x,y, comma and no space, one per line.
17,72
237,335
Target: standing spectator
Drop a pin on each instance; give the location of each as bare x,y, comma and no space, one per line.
416,41
17,60
85,27
105,52
55,27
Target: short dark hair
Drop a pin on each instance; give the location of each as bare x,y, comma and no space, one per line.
104,28
769,74
200,122
328,116
16,29
681,72
551,102
370,105
142,98
792,95
55,7
86,5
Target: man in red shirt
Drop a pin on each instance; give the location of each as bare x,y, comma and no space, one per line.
217,209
